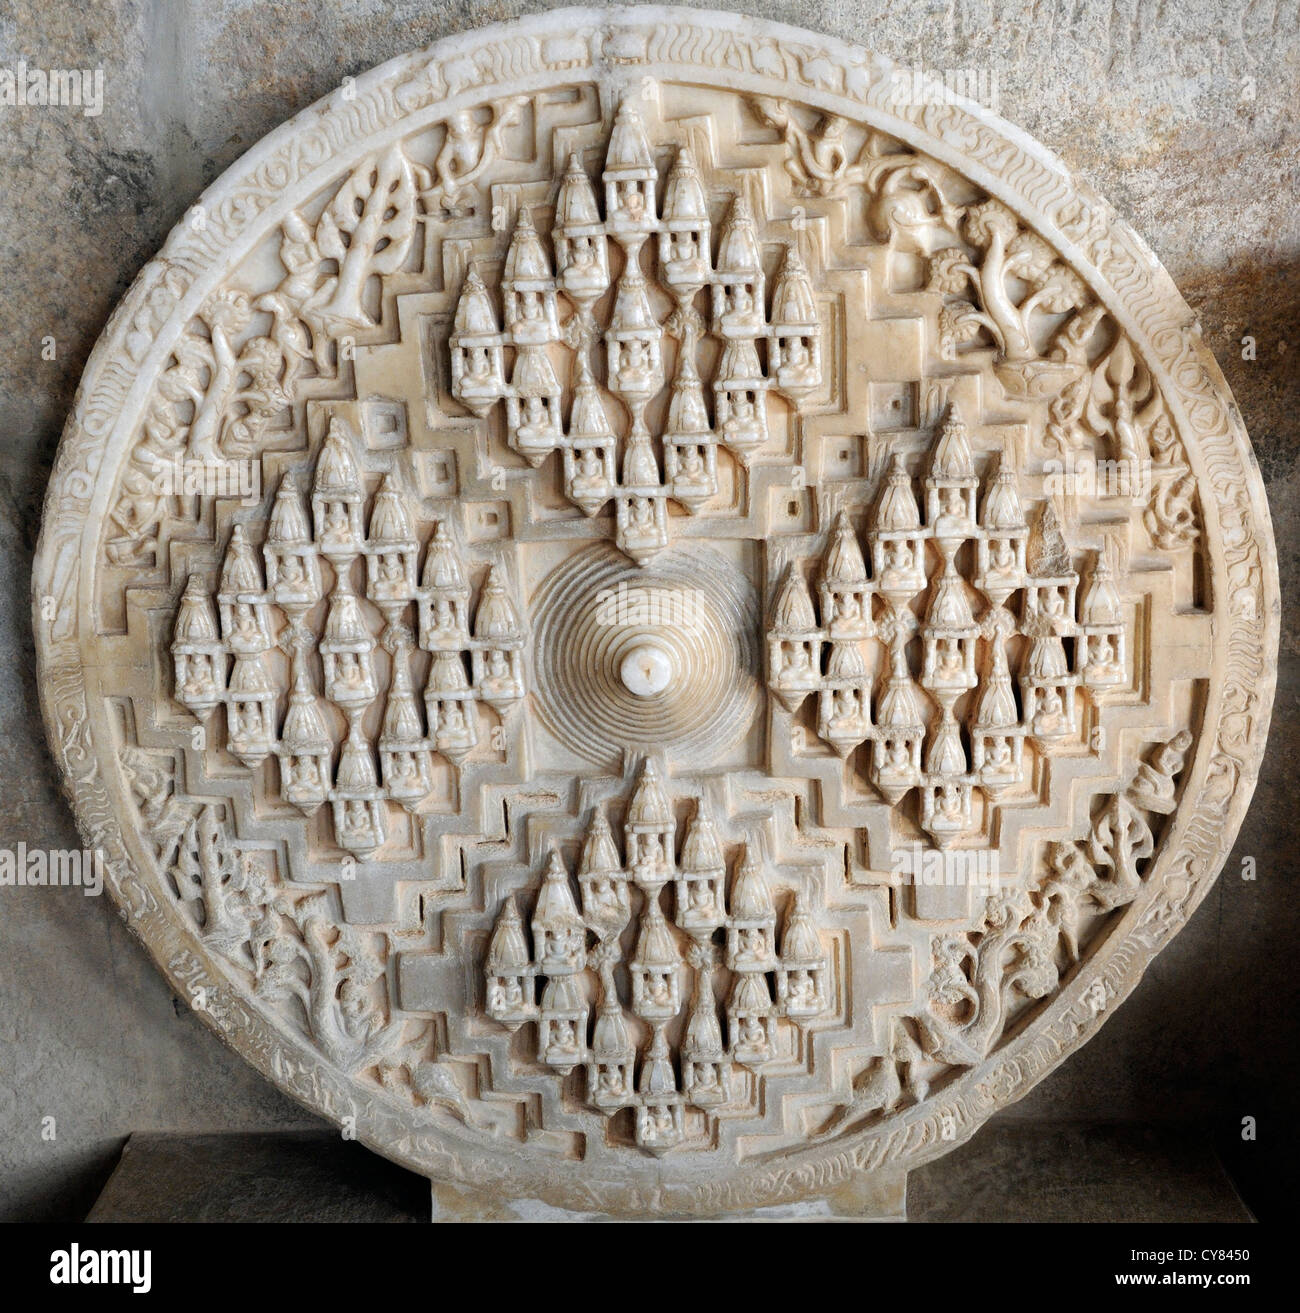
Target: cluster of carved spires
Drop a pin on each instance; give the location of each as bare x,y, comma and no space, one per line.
617,1076
685,467
817,647
222,655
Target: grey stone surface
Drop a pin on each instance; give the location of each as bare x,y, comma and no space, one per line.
1011,1172
1077,1172
304,1176
1184,117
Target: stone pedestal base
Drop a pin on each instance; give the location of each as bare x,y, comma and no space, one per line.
867,1198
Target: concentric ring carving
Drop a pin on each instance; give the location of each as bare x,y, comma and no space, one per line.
597,609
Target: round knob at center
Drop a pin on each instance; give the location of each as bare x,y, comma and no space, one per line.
646,670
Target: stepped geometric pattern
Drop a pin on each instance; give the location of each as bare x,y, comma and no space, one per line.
648,625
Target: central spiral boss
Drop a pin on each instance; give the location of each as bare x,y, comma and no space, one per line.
629,657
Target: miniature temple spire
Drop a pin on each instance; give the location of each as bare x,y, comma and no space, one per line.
496,617
1002,509
240,573
738,255
336,470
897,510
751,899
442,567
1049,557
195,621
575,206
288,522
525,259
952,455
687,413
390,521
649,804
685,206
507,950
843,563
474,312
599,854
794,607
1100,604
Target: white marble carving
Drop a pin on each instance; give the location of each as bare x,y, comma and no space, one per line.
655,626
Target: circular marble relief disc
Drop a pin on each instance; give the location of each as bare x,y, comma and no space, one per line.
651,616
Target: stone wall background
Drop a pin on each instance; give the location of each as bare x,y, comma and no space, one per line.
1186,116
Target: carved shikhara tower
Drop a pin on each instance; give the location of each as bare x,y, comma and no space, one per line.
740,643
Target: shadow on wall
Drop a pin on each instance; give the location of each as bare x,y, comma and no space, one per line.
1246,1050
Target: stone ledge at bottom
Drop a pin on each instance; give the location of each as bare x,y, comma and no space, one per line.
1010,1172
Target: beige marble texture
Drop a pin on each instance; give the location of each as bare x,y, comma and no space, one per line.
821,524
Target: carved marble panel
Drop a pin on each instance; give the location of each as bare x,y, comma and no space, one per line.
650,624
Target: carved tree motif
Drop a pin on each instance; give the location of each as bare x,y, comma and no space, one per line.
998,255
209,869
976,977
331,970
367,229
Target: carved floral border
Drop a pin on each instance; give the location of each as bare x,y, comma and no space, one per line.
749,56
